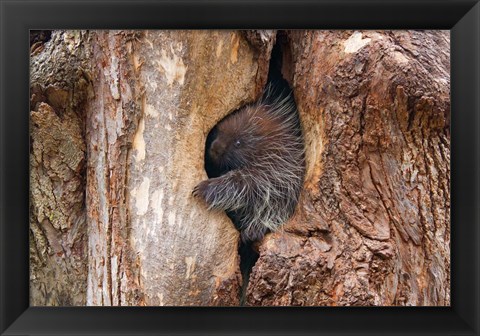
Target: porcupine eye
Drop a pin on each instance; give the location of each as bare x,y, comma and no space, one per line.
237,143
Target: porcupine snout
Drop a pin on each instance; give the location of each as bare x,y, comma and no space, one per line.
216,149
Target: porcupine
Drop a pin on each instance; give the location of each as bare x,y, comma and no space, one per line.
256,160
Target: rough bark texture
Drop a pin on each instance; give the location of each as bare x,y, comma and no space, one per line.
156,96
58,265
372,227
118,127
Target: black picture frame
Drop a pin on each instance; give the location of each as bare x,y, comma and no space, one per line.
19,16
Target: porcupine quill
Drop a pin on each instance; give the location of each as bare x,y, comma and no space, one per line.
255,158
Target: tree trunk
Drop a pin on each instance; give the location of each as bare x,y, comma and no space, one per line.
156,96
118,127
373,225
58,231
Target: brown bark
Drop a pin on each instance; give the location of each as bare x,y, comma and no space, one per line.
372,227
58,239
118,127
157,94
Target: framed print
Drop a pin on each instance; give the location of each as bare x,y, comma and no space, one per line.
239,168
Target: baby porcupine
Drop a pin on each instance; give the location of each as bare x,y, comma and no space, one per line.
256,158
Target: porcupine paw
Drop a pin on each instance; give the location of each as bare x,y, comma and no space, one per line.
203,191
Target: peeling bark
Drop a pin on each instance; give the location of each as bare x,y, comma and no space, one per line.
58,235
372,227
156,98
118,127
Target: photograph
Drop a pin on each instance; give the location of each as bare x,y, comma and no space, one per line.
240,168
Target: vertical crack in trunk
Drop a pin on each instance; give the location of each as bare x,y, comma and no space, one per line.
276,81
248,258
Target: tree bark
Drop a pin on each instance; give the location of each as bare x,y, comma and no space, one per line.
372,227
58,231
118,127
157,95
